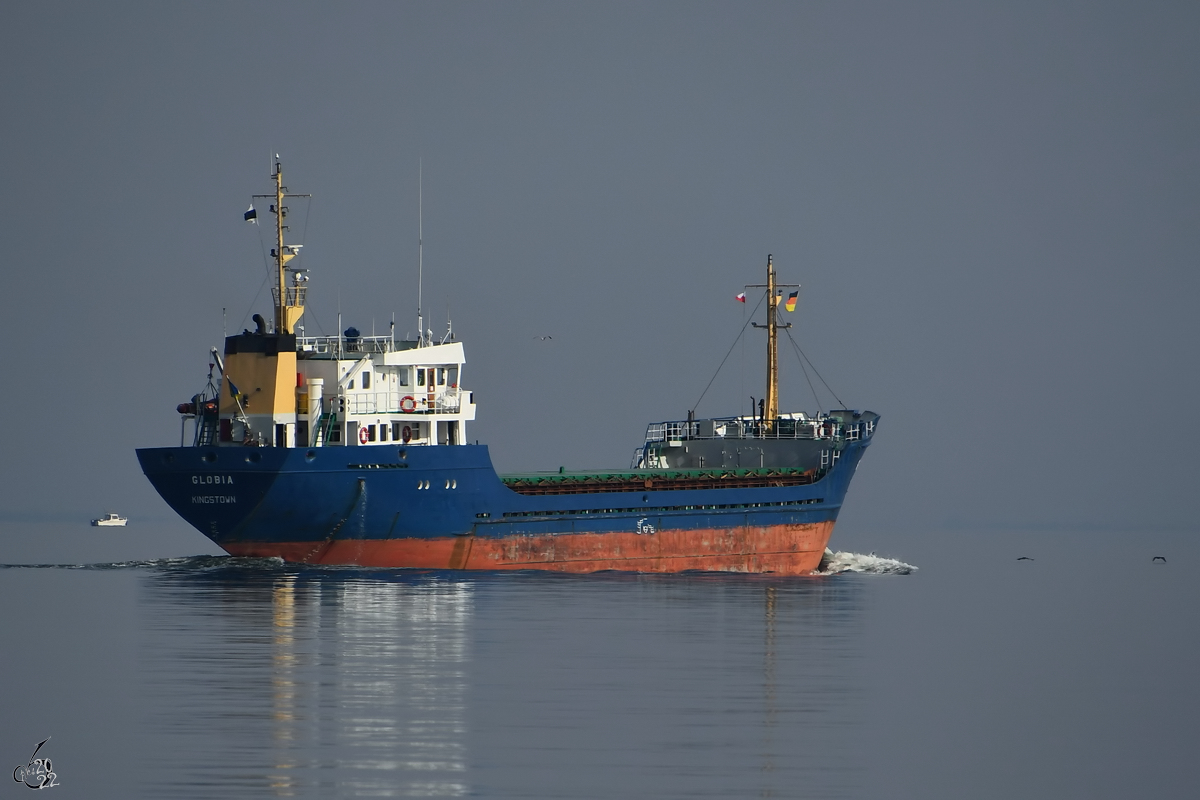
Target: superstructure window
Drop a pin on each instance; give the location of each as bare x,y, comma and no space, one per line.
454,377
420,377
366,376
404,376
383,432
370,433
441,376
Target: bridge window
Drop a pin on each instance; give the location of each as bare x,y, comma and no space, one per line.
441,376
404,376
420,377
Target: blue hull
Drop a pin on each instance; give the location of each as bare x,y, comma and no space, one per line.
300,503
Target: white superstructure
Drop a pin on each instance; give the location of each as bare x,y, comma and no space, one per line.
359,391
280,388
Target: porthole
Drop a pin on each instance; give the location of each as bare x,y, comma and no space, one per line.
210,457
311,455
447,483
403,454
254,457
454,483
168,457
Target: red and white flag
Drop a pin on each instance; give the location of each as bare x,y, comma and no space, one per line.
741,297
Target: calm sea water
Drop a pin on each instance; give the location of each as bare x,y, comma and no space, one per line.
977,675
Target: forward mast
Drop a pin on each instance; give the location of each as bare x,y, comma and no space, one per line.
770,411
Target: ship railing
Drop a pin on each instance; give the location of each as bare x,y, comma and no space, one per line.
670,431
448,402
351,346
295,295
752,428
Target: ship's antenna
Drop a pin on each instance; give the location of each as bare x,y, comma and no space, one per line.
420,248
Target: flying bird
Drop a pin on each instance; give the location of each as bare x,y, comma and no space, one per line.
543,338
1024,558
1158,558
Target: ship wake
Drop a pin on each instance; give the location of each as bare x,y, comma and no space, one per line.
869,564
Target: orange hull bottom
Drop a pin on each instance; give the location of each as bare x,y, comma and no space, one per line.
778,549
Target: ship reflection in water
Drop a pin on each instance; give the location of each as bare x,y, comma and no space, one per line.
293,684
349,683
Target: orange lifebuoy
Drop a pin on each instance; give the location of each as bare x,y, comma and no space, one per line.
362,435
407,404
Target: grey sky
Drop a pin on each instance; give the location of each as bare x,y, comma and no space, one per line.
992,209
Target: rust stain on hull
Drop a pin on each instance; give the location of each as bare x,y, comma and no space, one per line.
790,549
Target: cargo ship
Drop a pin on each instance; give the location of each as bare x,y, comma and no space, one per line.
353,450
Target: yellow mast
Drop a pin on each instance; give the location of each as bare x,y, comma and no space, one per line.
772,405
289,304
774,296
281,320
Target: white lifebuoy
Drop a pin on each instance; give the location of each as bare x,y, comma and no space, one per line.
408,404
362,435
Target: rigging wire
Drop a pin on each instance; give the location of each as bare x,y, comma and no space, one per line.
266,275
300,258
726,358
812,388
255,300
814,368
304,228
